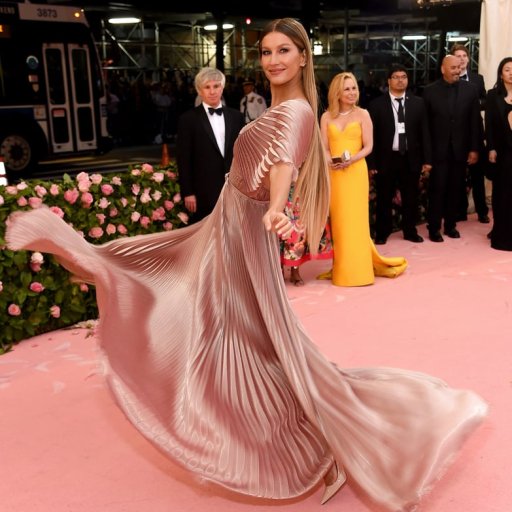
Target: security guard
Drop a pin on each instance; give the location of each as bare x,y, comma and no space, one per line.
252,105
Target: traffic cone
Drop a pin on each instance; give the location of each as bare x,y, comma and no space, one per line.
3,174
165,156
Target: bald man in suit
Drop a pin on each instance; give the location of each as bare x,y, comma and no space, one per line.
204,150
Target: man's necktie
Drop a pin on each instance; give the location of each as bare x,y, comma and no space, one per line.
217,111
402,144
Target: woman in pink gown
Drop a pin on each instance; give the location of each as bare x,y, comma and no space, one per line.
208,360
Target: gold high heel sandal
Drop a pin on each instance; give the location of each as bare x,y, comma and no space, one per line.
334,480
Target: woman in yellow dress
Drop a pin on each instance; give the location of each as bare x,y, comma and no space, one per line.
347,135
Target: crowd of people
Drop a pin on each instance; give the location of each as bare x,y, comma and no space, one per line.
398,140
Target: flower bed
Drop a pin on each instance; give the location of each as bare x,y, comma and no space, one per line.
36,294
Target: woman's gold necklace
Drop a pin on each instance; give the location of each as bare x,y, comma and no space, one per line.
346,113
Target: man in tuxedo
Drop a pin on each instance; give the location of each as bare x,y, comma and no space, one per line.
476,171
204,148
401,151
453,112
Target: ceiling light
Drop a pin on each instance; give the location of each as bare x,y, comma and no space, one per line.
225,26
414,38
457,39
124,21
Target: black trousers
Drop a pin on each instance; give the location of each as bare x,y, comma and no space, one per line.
445,182
475,182
398,176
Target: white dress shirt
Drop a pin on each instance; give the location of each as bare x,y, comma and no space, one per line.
394,104
218,126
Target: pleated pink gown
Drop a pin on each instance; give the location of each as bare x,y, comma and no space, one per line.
209,362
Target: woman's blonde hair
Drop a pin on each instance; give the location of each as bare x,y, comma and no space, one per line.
335,91
312,187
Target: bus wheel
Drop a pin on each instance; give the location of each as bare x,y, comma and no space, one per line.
18,153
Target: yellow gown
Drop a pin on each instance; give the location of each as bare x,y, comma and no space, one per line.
356,260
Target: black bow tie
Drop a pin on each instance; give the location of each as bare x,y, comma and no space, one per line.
217,111
464,77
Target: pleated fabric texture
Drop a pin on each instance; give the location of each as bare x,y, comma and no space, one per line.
356,259
209,362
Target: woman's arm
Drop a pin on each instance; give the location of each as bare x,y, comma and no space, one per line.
280,182
367,136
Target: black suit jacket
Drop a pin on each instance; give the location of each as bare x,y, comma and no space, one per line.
416,131
453,127
477,80
201,166
497,128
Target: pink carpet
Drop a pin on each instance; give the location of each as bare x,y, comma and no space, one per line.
65,447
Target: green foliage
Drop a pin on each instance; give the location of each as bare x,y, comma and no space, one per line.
37,294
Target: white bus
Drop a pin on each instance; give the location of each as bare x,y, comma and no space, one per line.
52,95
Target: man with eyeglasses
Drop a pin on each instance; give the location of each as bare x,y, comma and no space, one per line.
401,152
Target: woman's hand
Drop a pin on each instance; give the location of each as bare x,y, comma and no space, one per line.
340,165
279,223
492,156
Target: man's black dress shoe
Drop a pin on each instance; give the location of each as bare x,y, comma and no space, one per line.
414,238
484,219
452,233
435,237
380,240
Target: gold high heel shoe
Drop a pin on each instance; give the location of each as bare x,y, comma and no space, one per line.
334,480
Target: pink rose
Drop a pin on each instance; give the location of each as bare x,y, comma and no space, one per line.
124,201
37,257
1,287
176,198
136,172
96,179
116,180
107,189
2,200
21,186
145,198
158,177
156,195
147,168
101,218
82,176
113,212
87,199
11,190
145,221
36,287
96,232
135,216
71,195
35,267
168,205
171,175
58,211
183,217
84,287
158,214
121,229
135,189
55,311
14,310
104,203
40,190
168,226
54,190
84,185
35,202
22,201
111,229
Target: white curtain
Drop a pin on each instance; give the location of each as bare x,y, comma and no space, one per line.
495,37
